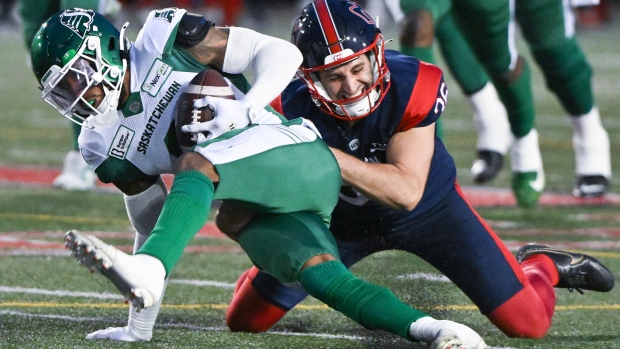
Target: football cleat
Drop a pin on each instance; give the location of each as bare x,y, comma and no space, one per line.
139,279
487,165
527,187
591,186
577,271
76,174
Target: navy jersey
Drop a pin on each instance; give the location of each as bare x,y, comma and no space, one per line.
415,98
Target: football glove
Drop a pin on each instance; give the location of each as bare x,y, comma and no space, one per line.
228,115
446,334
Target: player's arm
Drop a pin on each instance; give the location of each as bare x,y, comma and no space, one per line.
399,183
235,50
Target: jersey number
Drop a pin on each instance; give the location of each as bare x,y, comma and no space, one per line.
440,102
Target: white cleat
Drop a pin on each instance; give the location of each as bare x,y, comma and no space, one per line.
76,174
139,278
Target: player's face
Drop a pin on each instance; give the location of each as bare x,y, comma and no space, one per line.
78,84
348,80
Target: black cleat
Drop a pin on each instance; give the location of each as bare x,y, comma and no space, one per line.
487,165
577,271
591,186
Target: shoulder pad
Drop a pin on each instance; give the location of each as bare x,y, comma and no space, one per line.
192,30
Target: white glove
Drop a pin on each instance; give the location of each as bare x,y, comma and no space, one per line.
117,334
228,115
442,334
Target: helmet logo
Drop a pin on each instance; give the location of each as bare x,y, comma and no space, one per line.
166,14
78,20
361,13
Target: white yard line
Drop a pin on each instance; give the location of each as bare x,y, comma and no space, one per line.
186,326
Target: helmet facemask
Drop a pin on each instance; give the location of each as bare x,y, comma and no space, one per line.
64,88
359,106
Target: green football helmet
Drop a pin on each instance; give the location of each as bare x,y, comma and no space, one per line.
73,51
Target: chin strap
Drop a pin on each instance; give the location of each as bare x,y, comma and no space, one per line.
124,56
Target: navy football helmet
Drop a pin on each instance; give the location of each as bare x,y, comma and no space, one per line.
333,32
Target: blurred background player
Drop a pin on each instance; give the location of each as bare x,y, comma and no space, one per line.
487,27
548,27
76,174
491,35
423,21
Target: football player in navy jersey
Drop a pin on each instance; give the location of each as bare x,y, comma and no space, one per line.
377,112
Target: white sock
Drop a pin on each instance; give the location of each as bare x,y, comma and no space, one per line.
423,330
141,323
525,154
591,145
143,271
491,120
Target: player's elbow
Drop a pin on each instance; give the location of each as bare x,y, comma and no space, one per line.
407,200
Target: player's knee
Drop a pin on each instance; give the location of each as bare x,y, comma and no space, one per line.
232,217
417,29
193,161
526,315
316,260
514,74
249,311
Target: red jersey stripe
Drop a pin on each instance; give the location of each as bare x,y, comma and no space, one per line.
423,96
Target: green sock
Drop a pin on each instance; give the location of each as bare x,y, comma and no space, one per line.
185,211
371,306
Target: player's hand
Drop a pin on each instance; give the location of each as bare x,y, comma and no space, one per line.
442,334
123,334
228,115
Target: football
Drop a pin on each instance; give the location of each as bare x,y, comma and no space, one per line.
208,82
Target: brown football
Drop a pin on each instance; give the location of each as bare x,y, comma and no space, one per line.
208,82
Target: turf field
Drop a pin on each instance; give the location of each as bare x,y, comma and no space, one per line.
47,301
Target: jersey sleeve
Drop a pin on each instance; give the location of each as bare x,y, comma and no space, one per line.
428,98
159,30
